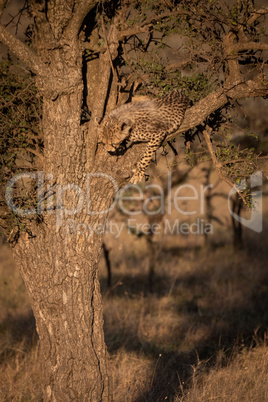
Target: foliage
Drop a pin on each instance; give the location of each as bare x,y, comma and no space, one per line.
193,34
21,141
188,49
164,45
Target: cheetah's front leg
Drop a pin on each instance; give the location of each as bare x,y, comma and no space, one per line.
144,162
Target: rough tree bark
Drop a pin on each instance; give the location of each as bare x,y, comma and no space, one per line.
60,270
58,262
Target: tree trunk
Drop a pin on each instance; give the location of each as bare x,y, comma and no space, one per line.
65,297
59,262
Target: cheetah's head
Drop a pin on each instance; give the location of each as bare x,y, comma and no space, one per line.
113,131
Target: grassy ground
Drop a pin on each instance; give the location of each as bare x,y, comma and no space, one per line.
199,335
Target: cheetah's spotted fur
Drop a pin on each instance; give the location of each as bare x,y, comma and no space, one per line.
145,121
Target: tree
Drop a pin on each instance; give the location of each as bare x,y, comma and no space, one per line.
88,57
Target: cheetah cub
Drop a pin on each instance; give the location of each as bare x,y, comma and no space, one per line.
144,121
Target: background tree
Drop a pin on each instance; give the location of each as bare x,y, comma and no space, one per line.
87,57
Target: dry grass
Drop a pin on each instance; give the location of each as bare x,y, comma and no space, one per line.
20,375
243,379
208,310
20,378
196,337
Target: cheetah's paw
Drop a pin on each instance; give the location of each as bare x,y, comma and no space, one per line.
137,177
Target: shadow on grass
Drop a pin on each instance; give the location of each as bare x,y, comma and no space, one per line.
135,285
228,299
228,320
17,329
170,369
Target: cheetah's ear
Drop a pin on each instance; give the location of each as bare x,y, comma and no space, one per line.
126,128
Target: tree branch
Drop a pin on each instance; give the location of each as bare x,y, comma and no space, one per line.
218,164
3,4
145,25
22,51
231,57
179,64
257,14
217,99
83,7
232,47
238,47
106,64
100,102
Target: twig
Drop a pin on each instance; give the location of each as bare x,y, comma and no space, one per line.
242,160
16,95
31,151
218,165
23,52
145,25
81,10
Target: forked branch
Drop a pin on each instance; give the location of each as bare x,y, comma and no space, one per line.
19,49
218,164
82,8
217,99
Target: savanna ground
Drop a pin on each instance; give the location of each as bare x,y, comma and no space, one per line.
199,335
